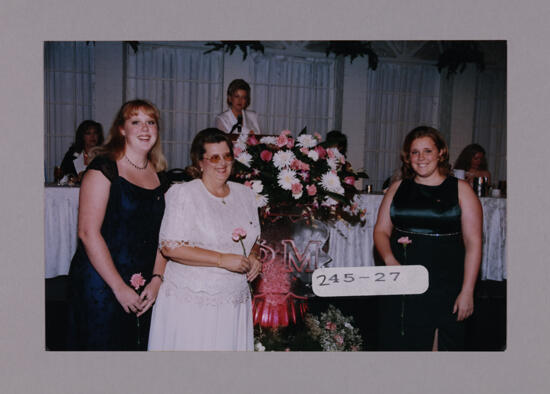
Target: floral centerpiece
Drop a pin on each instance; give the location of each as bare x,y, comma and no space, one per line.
299,174
327,331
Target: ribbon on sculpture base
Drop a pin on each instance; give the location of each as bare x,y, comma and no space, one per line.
291,249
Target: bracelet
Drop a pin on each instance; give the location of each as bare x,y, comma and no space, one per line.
219,262
161,277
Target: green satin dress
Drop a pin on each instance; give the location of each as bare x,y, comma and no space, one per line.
430,216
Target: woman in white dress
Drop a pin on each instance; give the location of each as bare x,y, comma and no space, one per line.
204,302
237,119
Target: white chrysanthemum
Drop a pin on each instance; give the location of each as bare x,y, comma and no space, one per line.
332,163
257,186
244,158
268,140
283,158
331,182
261,200
287,178
328,201
313,155
306,141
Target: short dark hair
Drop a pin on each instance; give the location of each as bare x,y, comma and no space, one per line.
407,171
336,138
238,84
203,137
78,145
464,160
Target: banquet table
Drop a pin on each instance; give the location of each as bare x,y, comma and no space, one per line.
349,245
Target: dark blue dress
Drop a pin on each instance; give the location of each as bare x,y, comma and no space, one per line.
130,228
431,217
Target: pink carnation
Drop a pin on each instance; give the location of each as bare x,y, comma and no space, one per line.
137,281
311,190
349,180
304,150
238,234
404,241
252,140
266,155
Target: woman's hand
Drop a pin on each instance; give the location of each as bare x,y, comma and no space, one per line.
128,299
391,260
255,268
149,295
464,304
234,262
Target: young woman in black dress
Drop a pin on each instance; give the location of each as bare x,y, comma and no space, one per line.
120,211
442,218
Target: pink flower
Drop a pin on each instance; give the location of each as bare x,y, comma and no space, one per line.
318,136
304,150
286,132
252,140
404,241
282,140
339,339
321,151
248,184
295,165
237,151
290,143
330,326
349,180
266,155
304,175
297,188
238,234
330,153
137,281
311,190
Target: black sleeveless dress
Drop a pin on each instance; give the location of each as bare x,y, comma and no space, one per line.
130,228
430,217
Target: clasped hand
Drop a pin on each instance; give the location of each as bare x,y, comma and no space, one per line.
241,264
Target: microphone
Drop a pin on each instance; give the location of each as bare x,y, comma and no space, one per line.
237,125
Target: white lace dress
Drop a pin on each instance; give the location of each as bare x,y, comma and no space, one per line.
205,308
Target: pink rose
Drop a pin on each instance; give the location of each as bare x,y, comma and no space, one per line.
349,180
297,188
266,155
304,166
290,143
137,281
404,241
321,151
238,234
304,150
295,165
282,140
252,140
311,190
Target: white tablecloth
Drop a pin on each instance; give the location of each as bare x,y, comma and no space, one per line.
60,228
353,246
349,246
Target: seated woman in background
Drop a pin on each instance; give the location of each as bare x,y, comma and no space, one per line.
237,119
472,160
431,219
89,134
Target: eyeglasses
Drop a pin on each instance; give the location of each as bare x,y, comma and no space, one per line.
214,159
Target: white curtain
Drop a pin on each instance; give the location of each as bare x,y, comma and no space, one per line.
290,92
400,97
490,120
185,84
69,77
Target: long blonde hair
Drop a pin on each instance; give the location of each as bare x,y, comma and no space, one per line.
115,145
